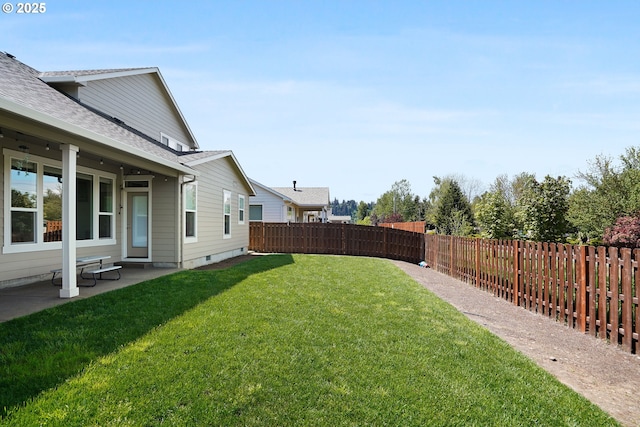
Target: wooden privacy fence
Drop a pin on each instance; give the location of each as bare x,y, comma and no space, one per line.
415,226
587,288
338,239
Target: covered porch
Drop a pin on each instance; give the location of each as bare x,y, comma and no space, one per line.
70,195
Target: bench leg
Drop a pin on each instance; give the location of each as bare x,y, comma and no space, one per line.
98,276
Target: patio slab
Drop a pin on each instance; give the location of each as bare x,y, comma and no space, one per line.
23,300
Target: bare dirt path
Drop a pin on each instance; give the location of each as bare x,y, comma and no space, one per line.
604,374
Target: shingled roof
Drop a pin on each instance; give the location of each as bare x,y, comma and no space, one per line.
306,196
21,86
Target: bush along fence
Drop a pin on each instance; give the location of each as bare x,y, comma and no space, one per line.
587,288
337,239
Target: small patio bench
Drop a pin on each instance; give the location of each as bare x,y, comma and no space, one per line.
95,274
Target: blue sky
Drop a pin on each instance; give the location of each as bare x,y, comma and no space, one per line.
356,95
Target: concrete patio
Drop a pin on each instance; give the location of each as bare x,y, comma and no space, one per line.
22,300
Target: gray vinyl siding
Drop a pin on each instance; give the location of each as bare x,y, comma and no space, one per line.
140,102
165,237
273,208
215,177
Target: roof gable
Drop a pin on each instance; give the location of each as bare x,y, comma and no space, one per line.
22,92
195,159
138,97
270,190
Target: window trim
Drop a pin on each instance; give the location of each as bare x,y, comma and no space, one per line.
8,247
241,208
187,238
261,212
226,196
173,143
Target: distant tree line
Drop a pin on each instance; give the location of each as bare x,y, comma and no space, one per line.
603,208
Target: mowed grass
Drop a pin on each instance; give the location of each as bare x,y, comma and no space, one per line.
280,340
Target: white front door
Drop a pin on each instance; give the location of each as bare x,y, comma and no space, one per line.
138,220
138,225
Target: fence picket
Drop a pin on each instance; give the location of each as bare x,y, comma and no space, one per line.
626,311
587,288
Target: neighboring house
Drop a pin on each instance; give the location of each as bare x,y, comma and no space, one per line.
289,204
108,155
339,219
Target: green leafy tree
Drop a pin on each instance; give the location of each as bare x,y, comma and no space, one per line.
52,205
22,200
398,200
450,211
597,203
494,216
496,210
543,208
610,190
362,211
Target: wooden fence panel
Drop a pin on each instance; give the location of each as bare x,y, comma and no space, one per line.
590,289
339,239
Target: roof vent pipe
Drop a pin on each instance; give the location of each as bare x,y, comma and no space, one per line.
294,185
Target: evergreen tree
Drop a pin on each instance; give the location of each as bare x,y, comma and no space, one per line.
450,209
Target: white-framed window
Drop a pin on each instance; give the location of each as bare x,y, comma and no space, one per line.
255,212
241,200
33,212
190,211
105,208
173,143
226,202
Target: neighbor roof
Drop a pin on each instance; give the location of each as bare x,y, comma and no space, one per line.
306,196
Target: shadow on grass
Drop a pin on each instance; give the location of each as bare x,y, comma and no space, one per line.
42,350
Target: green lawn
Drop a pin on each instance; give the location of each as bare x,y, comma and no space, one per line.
279,340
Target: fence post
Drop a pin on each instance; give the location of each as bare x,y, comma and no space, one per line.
581,297
516,272
477,263
451,244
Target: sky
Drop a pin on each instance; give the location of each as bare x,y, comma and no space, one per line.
357,95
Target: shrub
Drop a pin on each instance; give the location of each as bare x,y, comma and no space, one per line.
624,233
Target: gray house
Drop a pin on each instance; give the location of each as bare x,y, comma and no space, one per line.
103,163
289,204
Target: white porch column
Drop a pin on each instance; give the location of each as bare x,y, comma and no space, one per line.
69,279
